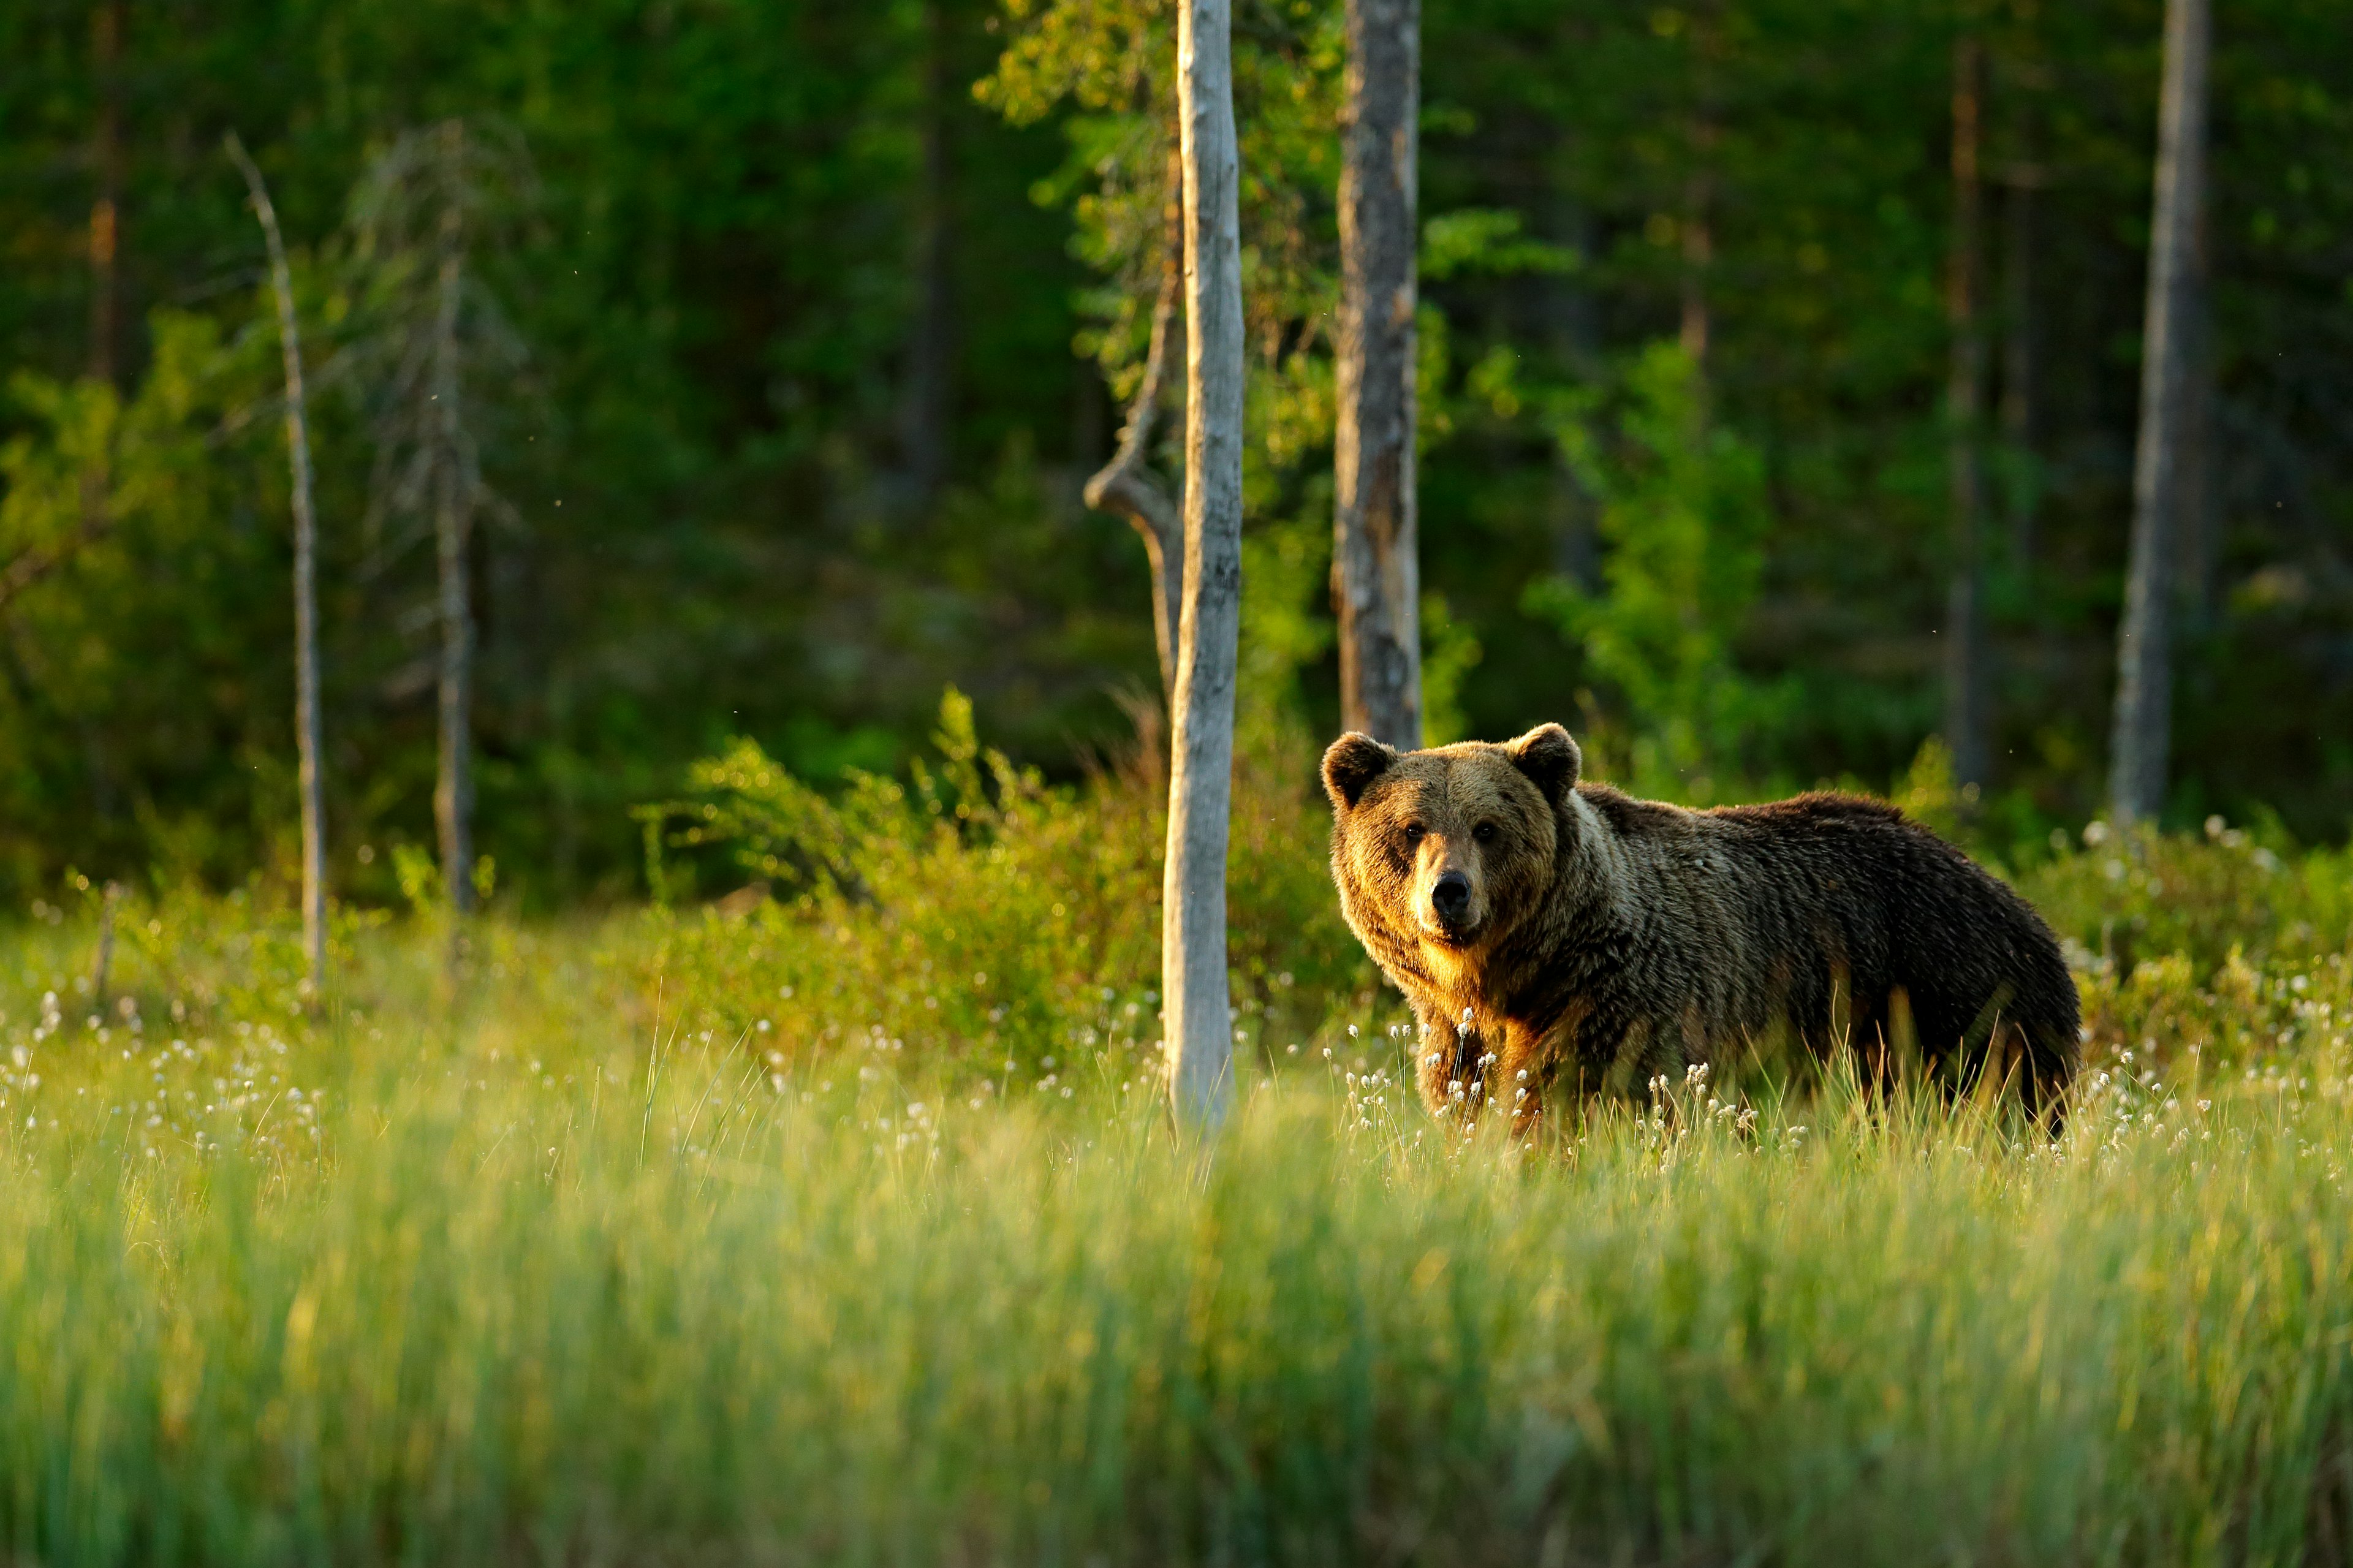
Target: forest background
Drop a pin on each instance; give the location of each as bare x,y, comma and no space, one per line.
810,321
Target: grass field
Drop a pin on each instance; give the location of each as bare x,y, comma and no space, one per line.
846,1227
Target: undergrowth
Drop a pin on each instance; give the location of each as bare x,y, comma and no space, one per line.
765,1229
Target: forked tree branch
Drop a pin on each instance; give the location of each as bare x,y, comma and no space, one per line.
31,565
1126,484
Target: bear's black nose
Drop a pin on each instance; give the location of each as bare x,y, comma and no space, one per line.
1452,897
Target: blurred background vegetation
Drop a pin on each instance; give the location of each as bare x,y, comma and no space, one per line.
814,318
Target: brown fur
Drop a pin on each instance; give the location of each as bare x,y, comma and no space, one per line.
1546,929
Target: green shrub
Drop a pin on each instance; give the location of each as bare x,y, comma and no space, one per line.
975,915
2122,897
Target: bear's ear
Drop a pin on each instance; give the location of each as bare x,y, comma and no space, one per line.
1548,757
1351,765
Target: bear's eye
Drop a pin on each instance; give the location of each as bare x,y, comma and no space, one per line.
1484,833
1413,832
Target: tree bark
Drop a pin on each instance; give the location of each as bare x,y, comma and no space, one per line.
2198,514
306,589
923,399
1376,569
2020,390
1125,485
1201,776
453,789
1698,235
1704,131
106,207
1967,708
2142,737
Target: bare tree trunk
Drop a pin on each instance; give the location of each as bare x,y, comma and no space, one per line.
1125,485
2199,517
105,212
1967,708
923,399
2143,640
306,587
1201,750
453,789
1376,566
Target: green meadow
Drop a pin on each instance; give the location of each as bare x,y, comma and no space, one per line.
532,1034
840,1221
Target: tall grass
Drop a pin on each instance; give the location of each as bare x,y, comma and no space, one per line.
510,1278
771,1231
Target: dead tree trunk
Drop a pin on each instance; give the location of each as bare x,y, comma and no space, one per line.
1201,750
306,587
1125,485
1967,708
1376,569
453,789
2143,730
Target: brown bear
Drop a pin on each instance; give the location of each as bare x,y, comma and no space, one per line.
1546,929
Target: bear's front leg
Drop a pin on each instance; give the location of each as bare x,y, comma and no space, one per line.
1520,1077
1451,1061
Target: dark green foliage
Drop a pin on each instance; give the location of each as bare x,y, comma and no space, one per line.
715,528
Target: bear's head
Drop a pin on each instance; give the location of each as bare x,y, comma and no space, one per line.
1451,846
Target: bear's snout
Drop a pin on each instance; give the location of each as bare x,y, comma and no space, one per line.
1450,897
1449,906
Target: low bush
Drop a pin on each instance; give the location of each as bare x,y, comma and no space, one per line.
974,915
2125,896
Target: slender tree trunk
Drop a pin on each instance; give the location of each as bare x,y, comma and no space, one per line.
1703,132
1376,570
102,962
1201,750
1699,251
306,589
1125,485
453,789
2137,755
105,307
105,212
924,400
1967,708
2019,379
2200,516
